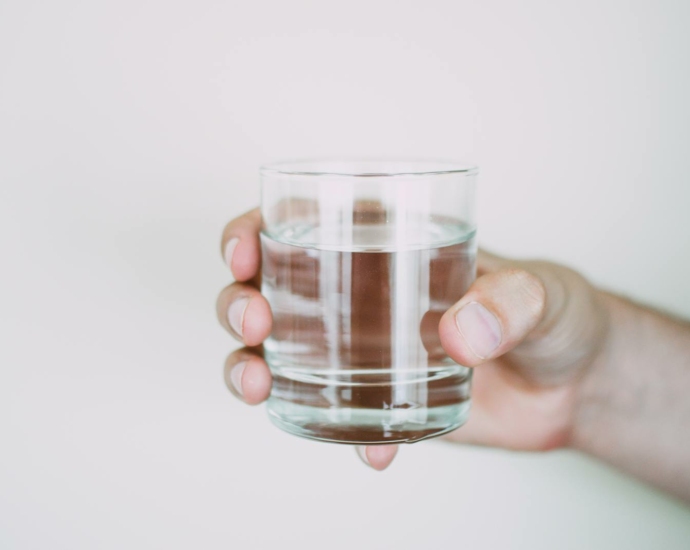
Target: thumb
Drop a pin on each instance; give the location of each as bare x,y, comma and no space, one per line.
498,311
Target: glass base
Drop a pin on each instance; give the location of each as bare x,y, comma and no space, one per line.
358,426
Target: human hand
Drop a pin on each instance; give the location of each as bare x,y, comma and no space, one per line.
534,327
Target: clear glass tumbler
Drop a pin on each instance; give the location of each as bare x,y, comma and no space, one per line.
360,261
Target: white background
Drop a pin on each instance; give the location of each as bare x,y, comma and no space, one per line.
131,131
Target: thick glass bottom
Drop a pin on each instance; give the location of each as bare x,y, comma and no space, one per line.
367,426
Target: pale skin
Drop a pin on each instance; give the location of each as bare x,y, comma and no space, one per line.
559,363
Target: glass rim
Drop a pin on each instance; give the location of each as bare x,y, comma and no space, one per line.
319,167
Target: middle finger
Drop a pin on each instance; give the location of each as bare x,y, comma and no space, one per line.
244,313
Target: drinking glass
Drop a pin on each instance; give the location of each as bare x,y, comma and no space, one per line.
360,261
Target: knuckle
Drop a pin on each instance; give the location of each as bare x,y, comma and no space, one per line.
531,290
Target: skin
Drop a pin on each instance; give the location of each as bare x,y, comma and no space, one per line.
559,363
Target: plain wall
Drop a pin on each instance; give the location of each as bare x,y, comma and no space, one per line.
132,131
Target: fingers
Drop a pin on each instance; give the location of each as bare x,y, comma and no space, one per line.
498,311
247,376
379,457
245,313
241,246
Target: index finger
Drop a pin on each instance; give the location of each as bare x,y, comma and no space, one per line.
241,247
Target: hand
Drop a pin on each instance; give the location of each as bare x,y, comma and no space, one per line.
534,327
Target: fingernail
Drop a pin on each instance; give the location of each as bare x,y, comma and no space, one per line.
236,376
230,250
480,329
362,453
236,314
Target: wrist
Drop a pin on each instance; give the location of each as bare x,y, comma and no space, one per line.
631,407
598,382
